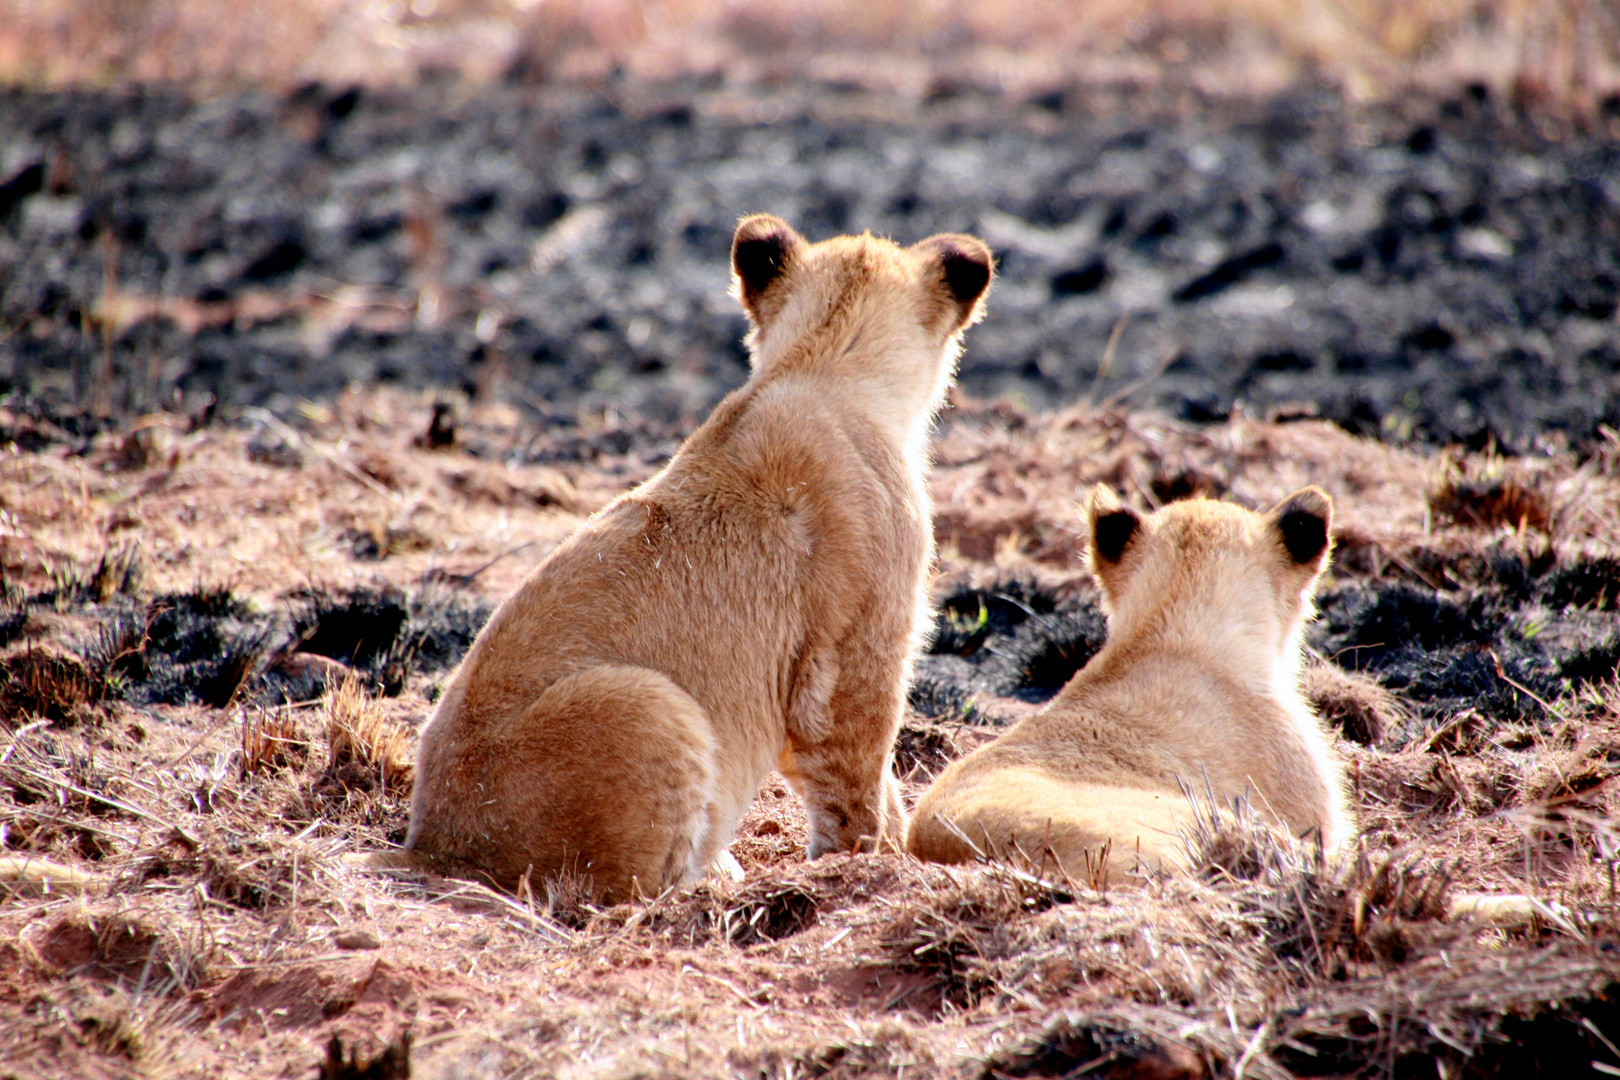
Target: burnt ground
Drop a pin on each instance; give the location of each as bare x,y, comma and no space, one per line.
232,582
1445,271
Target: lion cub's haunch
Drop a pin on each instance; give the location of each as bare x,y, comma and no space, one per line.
755,604
1197,686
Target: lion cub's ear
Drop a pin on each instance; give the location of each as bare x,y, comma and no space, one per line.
966,267
1113,526
1304,523
1112,529
762,249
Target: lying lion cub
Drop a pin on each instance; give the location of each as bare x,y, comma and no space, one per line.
754,605
1197,688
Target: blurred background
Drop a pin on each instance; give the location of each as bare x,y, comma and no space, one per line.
1563,51
1399,215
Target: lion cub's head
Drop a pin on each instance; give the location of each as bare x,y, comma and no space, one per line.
1210,570
859,308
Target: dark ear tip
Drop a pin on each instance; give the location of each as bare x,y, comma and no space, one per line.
1111,533
1304,520
760,250
758,227
967,264
757,254
1312,500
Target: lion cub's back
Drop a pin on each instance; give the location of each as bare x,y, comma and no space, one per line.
786,513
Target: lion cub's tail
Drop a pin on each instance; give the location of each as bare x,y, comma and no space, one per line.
1506,911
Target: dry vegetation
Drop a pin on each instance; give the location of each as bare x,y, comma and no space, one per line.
210,797
1563,53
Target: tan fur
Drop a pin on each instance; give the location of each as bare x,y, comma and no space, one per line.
1198,685
754,605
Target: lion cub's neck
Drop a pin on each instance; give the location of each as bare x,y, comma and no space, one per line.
1220,615
889,380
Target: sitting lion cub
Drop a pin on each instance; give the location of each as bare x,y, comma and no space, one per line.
1197,688
754,605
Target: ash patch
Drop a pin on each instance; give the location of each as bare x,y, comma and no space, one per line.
1014,639
390,633
173,649
1521,630
198,647
29,423
211,647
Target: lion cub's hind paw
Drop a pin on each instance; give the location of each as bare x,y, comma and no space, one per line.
725,866
380,861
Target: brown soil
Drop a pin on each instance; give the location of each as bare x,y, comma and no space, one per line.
211,783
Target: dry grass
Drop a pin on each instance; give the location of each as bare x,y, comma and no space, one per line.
1356,706
270,740
1491,495
359,736
1563,53
47,685
224,936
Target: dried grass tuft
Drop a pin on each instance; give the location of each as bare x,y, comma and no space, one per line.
769,911
924,748
1230,843
566,898
1357,707
220,867
959,937
48,685
361,738
1314,917
270,740
713,910
121,571
1490,496
1565,778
